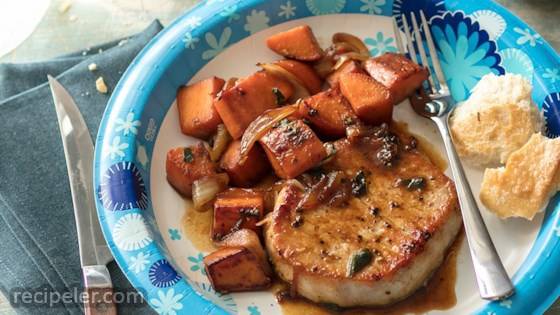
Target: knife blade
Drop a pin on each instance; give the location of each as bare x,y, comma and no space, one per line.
78,151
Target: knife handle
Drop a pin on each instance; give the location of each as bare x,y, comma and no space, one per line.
99,291
100,302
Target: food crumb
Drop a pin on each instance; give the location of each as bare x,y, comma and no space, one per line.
64,6
92,67
72,18
101,86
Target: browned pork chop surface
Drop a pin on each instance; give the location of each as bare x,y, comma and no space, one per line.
407,217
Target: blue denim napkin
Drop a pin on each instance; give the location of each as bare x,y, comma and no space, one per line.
38,242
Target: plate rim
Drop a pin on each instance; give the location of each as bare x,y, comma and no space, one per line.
137,77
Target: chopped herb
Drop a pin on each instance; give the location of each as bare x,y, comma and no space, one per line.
359,184
188,155
250,212
413,183
280,98
358,261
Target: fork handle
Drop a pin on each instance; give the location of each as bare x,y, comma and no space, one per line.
493,281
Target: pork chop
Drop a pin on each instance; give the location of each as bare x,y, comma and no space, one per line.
406,218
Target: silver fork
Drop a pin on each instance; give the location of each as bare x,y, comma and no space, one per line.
436,103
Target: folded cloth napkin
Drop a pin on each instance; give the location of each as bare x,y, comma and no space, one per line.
38,242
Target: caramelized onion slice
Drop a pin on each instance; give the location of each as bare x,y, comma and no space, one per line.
205,190
324,66
260,126
300,91
332,189
230,83
219,143
353,41
343,58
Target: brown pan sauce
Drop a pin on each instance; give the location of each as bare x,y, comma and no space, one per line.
437,294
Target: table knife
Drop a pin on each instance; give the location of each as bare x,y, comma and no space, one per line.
94,252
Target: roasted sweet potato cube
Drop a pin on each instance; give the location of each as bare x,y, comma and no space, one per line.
197,116
235,269
351,66
292,148
250,240
248,172
296,43
328,113
371,100
236,209
304,72
250,97
184,165
398,73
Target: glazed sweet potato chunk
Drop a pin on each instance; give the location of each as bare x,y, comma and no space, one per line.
398,73
250,97
250,240
328,113
296,43
292,148
350,66
248,172
236,209
371,100
235,269
184,165
304,72
197,116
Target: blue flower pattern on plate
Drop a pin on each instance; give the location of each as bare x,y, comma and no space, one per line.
319,7
380,44
552,74
551,110
231,13
167,303
372,6
287,10
466,53
123,188
197,263
253,310
216,46
174,234
430,8
224,300
162,274
516,61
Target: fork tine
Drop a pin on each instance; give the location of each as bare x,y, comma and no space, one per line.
433,53
410,44
420,45
398,38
